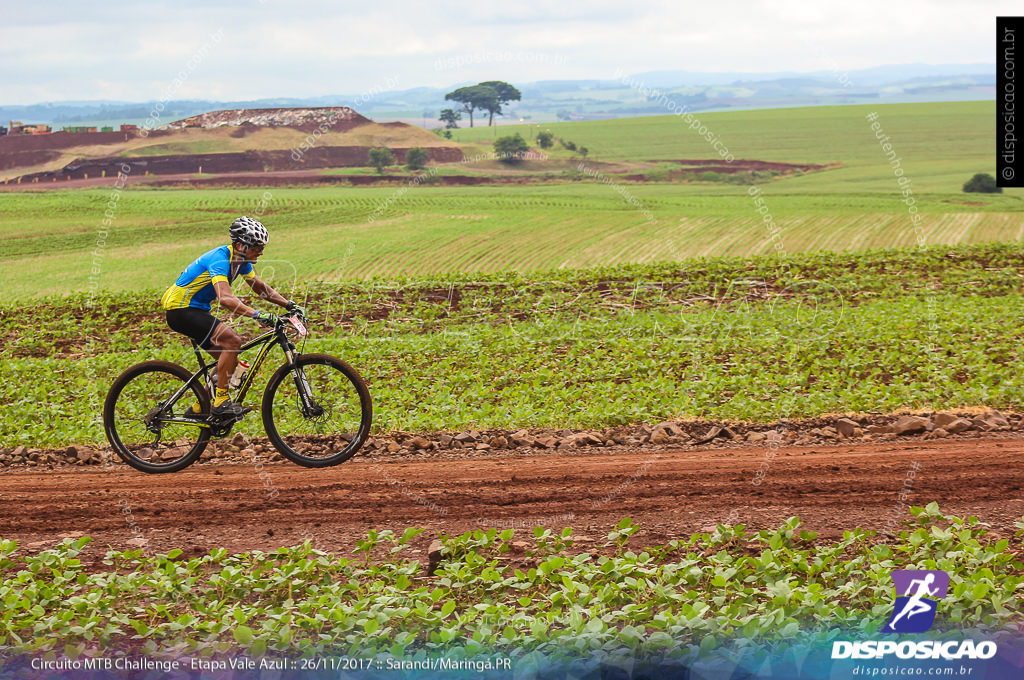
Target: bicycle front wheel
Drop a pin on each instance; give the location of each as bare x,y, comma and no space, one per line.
319,413
148,430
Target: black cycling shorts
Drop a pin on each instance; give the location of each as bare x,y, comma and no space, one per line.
197,324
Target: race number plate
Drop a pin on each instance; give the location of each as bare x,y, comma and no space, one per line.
299,326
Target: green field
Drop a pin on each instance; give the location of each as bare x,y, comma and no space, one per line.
422,236
53,240
715,339
941,144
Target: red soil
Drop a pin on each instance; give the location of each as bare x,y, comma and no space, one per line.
669,491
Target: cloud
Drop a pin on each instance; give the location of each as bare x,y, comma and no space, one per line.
131,51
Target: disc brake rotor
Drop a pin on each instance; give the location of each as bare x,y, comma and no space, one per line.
315,412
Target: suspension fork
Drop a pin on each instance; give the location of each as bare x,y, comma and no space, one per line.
309,406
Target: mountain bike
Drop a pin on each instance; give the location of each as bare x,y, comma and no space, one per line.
316,408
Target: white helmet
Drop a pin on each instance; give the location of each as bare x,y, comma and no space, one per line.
248,231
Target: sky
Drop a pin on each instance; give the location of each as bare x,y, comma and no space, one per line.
251,49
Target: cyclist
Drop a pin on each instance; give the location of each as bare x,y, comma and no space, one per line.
209,277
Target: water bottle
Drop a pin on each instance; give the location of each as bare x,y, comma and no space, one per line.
238,377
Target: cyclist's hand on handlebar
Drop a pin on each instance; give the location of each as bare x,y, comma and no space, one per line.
297,309
265,319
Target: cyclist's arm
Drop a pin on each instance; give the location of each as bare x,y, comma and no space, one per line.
263,289
228,300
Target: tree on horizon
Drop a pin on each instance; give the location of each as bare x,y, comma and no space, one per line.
450,118
474,97
506,93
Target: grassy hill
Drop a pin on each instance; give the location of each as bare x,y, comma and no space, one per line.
941,144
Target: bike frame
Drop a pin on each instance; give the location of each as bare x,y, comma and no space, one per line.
275,336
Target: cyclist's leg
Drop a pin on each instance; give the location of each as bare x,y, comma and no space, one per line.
200,326
225,344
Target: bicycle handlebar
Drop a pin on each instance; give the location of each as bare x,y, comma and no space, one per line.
294,319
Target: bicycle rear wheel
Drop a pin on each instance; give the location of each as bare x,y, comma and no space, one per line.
332,426
147,432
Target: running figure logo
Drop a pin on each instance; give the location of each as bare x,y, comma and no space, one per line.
917,596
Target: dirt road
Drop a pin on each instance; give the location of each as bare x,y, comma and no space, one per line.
670,492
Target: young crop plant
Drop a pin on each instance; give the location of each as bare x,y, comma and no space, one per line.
730,590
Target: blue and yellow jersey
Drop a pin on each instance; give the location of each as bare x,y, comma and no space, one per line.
194,288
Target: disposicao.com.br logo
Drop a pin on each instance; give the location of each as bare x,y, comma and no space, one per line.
917,596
